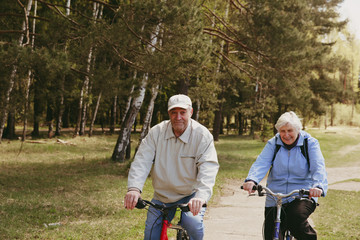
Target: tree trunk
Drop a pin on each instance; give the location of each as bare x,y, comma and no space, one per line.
5,107
68,3
183,87
28,82
94,115
49,119
38,109
147,121
26,107
83,97
241,124
60,110
4,111
60,103
125,132
9,132
216,126
332,115
129,101
197,110
83,102
113,115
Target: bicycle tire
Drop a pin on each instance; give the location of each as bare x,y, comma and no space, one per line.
182,235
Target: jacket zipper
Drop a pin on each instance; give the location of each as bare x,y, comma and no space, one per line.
287,182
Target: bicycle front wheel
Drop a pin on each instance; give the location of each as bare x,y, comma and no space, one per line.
182,235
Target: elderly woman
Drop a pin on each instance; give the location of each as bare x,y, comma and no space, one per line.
285,156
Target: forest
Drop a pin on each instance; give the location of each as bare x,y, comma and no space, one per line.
113,64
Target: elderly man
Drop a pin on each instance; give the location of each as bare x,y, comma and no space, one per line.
182,156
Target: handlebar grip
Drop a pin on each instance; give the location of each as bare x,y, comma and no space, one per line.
307,192
140,204
255,187
185,207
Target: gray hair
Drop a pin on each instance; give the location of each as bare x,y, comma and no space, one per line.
289,118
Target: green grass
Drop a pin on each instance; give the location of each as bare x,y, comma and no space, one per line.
79,187
338,216
340,145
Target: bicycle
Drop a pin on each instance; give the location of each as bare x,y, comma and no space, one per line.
278,198
181,232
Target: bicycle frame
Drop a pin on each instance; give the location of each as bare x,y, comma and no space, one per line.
164,212
278,197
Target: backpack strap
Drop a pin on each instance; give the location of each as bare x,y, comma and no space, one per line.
305,151
277,148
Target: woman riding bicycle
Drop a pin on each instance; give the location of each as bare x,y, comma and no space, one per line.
295,161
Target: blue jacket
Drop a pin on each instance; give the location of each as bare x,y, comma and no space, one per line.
290,169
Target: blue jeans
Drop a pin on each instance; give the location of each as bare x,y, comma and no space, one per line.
193,224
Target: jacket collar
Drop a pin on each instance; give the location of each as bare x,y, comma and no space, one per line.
185,137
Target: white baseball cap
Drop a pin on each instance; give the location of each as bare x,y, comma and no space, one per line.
180,101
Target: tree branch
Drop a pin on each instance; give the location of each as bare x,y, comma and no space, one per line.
112,7
20,15
238,67
57,10
139,37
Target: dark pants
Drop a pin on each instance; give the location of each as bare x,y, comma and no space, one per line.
294,217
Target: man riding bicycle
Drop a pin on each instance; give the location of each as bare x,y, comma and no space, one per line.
181,156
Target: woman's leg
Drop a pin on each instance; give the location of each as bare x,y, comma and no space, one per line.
269,226
298,212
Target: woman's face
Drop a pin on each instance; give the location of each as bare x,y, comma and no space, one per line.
288,134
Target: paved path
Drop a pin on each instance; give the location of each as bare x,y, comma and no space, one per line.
240,217
237,217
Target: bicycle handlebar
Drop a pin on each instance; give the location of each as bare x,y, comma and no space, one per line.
260,189
142,203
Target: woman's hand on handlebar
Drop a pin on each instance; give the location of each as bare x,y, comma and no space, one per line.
195,205
131,198
315,192
248,186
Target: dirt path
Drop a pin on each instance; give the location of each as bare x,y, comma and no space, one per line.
240,217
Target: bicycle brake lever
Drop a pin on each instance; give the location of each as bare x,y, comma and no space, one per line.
140,204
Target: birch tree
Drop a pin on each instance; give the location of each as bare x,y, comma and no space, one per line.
125,132
83,102
29,77
24,35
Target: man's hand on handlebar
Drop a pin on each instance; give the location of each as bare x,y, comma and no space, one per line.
131,198
248,186
195,205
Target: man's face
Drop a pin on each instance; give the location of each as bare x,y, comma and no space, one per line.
179,118
288,134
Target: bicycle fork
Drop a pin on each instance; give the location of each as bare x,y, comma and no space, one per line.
278,219
277,222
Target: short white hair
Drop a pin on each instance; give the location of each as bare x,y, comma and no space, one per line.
289,118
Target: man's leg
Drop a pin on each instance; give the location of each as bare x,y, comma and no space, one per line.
194,225
153,224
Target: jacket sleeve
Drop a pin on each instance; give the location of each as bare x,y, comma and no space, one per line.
263,163
317,165
208,167
142,164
